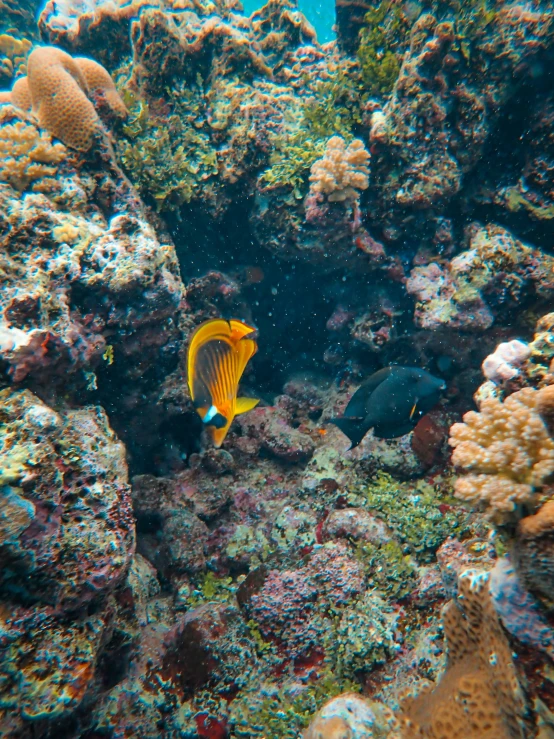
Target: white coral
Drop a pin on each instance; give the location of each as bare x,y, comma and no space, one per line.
504,364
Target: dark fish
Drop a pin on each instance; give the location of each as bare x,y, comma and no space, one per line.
218,353
390,402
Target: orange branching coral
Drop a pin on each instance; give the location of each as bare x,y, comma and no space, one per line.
28,158
13,54
504,451
57,87
478,696
342,172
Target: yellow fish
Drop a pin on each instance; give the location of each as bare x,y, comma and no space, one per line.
218,353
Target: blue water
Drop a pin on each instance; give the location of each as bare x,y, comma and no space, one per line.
321,15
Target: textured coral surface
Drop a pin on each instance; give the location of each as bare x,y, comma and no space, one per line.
382,199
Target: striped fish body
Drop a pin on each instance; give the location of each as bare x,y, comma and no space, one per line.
218,353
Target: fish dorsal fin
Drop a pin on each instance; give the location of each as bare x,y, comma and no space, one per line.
356,408
238,329
245,350
246,404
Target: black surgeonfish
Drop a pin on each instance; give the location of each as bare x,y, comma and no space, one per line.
390,402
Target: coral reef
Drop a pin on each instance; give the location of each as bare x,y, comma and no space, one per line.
67,542
342,171
505,362
382,199
491,275
506,453
534,550
94,247
350,715
62,560
28,156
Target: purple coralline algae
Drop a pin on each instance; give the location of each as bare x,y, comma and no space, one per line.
517,609
68,540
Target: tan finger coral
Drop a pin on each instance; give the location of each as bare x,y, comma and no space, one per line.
478,696
342,172
504,452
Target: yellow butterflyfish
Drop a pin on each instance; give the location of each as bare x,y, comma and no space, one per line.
218,353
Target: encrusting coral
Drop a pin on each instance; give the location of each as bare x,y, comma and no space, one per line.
504,451
342,172
57,86
478,696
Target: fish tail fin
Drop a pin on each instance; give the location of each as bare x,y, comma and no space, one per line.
354,428
245,404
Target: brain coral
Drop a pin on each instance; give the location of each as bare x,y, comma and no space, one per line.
342,172
504,451
58,91
478,696
101,86
57,87
21,95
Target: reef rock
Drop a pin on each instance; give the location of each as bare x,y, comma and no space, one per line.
67,541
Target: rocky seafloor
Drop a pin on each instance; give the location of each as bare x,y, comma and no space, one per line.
386,198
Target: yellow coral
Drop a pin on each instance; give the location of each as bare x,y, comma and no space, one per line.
28,158
14,52
505,453
342,172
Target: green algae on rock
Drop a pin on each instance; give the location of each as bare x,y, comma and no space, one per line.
419,516
168,157
381,45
